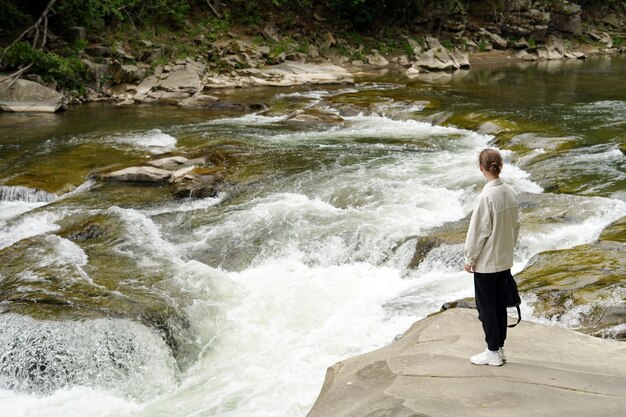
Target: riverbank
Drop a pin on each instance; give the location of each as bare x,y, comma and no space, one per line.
189,66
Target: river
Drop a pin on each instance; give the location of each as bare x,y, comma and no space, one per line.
119,300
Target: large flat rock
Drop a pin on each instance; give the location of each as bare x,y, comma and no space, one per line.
550,372
29,96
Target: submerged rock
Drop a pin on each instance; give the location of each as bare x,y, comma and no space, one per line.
194,185
427,372
313,117
138,174
29,96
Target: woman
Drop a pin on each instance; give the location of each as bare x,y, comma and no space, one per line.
491,237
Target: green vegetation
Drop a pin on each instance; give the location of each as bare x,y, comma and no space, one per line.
51,66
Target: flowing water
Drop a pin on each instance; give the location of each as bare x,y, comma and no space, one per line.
119,300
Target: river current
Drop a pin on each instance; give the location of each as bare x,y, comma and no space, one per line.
234,306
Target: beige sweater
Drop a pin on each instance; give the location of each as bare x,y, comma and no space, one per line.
493,229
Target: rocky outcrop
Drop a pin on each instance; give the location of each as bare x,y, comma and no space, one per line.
29,96
586,278
427,372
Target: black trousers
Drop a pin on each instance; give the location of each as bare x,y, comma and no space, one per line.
491,303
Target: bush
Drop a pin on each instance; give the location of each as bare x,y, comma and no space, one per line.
50,66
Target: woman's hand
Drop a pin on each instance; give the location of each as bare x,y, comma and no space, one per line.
468,268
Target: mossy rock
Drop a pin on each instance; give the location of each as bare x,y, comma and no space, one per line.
588,275
47,277
615,232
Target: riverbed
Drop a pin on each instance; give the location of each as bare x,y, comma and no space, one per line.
121,300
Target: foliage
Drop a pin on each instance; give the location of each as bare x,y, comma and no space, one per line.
618,41
50,66
12,16
97,14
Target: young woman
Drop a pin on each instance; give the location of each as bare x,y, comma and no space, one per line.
492,235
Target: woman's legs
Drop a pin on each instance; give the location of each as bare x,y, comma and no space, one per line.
490,302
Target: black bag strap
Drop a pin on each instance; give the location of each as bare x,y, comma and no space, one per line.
519,317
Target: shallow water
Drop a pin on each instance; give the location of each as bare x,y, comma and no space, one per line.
236,305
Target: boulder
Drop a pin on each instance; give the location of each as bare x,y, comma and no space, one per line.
96,72
587,275
127,73
377,59
198,101
197,186
29,96
496,40
423,246
138,174
436,59
166,97
293,73
146,85
313,117
525,56
427,372
181,81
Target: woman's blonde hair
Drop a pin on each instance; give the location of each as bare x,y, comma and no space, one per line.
490,160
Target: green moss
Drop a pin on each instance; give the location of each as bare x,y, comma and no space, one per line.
616,231
582,275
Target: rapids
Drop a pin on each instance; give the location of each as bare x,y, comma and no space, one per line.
118,300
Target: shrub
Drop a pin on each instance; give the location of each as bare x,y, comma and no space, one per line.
50,66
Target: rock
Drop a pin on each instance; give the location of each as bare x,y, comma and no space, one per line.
330,40
462,58
549,54
469,302
198,186
95,72
436,60
181,80
377,59
171,162
293,73
198,101
313,52
270,34
138,174
427,373
127,73
313,117
521,43
525,56
607,40
178,175
570,24
225,105
496,40
560,280
120,52
147,85
166,97
28,96
423,246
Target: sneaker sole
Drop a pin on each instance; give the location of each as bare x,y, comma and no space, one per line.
499,363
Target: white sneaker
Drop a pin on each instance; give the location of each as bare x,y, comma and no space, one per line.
487,357
501,353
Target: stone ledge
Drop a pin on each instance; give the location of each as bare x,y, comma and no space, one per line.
550,371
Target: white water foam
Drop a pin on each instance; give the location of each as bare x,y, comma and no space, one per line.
154,140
